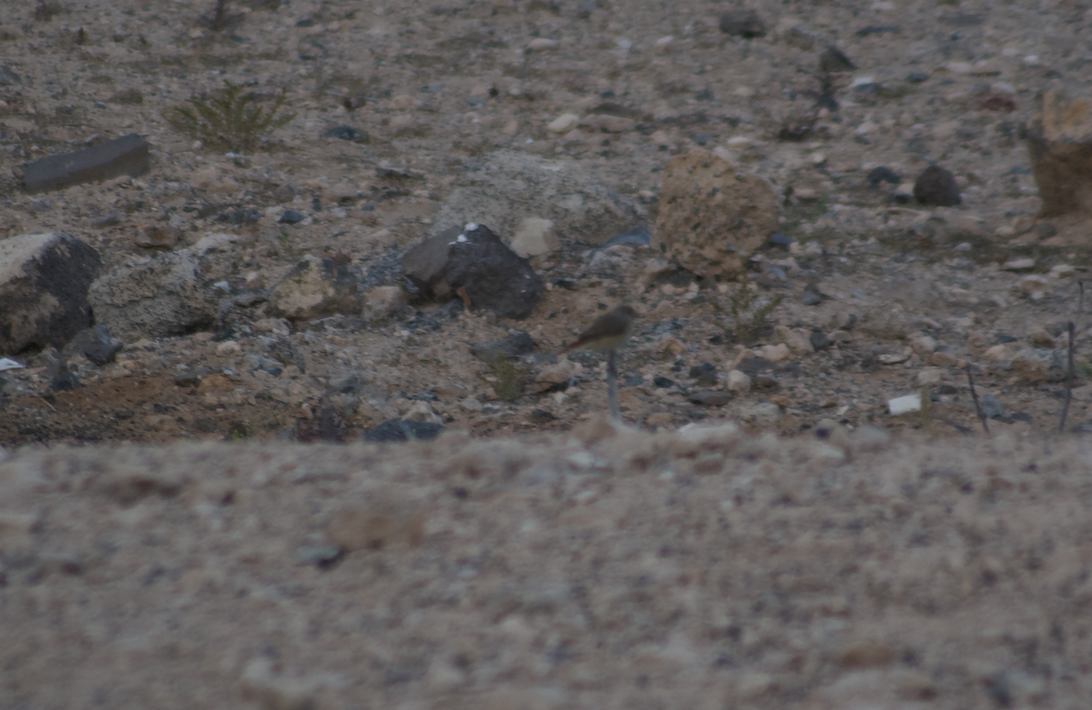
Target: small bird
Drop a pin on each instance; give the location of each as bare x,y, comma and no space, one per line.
608,333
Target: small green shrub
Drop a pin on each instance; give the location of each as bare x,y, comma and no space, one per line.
508,384
748,315
230,119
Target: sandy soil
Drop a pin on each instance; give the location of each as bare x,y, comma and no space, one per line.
573,566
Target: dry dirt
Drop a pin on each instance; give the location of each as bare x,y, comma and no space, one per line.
940,569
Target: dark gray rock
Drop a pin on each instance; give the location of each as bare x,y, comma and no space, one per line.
882,174
742,23
511,347
127,155
493,276
834,61
819,340
162,297
705,374
425,263
96,344
44,281
710,398
937,186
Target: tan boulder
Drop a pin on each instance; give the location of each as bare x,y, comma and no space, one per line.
713,216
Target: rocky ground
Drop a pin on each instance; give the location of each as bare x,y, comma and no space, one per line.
865,295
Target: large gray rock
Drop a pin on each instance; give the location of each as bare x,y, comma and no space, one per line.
43,290
127,155
507,188
473,258
316,288
161,297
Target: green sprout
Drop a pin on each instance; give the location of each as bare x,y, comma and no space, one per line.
508,385
229,119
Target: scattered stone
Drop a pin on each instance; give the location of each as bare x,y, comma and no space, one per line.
834,61
95,344
315,288
819,340
127,155
712,216
905,404
705,374
563,123
738,382
402,430
937,186
505,188
1035,365
744,23
44,282
512,347
65,381
162,297
1034,285
606,123
883,174
493,277
542,44
709,398
930,376
383,302
535,236
1025,264
1039,338
810,298
291,217
794,338
556,376
346,133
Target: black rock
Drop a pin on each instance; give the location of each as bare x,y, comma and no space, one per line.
917,77
663,382
404,430
811,298
65,381
347,133
494,277
95,344
819,340
937,186
743,23
705,374
876,29
291,217
752,366
833,61
883,174
632,381
784,241
710,398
